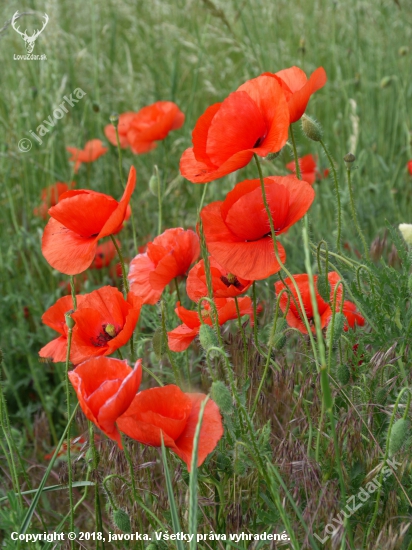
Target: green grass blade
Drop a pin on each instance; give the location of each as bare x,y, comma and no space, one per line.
193,480
52,488
172,502
30,511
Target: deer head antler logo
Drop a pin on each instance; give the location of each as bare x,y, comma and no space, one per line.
29,40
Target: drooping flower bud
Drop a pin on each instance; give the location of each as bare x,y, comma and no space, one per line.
343,374
311,128
221,396
122,521
208,339
399,434
337,329
154,185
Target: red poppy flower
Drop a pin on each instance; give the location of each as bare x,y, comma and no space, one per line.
254,119
105,253
237,230
170,413
225,285
56,350
308,169
168,256
91,152
50,197
123,127
294,317
141,130
298,89
105,389
182,336
410,167
77,223
105,322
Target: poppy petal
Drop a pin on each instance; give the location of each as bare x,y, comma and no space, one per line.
56,350
115,221
210,432
180,338
249,260
66,251
139,273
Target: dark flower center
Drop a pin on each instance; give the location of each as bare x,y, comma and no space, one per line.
231,280
108,333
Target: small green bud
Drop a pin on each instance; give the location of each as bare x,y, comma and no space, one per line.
311,128
380,396
403,50
343,374
122,521
323,286
385,82
114,119
96,107
399,433
337,328
70,322
221,396
158,343
154,185
349,160
208,339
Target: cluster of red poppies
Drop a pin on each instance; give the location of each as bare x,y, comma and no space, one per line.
253,120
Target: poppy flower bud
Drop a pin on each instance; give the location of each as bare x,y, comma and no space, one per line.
110,330
158,343
403,50
273,156
323,287
222,396
380,396
208,338
122,521
70,322
154,185
399,434
114,119
385,82
337,329
349,160
311,128
343,374
96,107
278,338
406,230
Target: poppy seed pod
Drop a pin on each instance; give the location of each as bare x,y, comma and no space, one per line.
70,322
122,521
349,160
311,128
278,338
